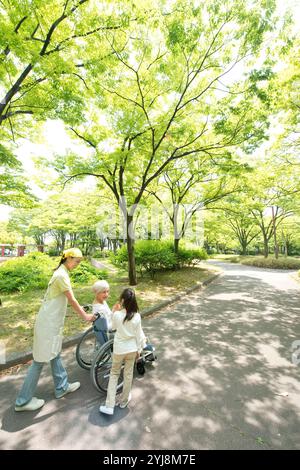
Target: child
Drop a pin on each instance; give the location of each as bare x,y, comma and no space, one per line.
129,341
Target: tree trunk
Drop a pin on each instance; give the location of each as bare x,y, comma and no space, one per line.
63,241
244,244
130,250
115,246
11,93
276,250
176,245
244,249
266,247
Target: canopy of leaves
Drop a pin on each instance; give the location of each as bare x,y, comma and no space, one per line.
14,190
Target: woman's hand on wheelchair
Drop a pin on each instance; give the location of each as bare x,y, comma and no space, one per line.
90,318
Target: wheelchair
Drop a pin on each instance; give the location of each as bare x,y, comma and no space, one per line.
102,362
91,341
95,349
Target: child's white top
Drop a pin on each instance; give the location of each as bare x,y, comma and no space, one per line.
104,310
129,336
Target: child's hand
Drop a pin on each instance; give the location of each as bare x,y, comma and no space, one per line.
116,307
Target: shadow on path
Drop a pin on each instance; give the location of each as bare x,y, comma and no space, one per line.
224,378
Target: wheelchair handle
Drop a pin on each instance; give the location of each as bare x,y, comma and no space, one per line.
86,308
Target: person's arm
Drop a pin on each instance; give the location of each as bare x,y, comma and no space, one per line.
78,309
116,307
114,320
140,337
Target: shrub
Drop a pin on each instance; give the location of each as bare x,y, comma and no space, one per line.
190,257
120,258
34,271
212,251
85,273
28,272
53,251
234,259
273,263
154,255
150,256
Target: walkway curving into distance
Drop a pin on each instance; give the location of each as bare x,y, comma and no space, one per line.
224,378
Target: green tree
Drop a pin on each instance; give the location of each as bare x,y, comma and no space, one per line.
70,218
272,196
20,221
217,235
285,105
240,220
14,189
193,187
146,114
289,236
40,46
8,236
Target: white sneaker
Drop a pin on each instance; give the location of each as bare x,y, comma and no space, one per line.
71,388
106,410
123,405
32,405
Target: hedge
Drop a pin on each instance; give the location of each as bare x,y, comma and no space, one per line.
154,255
33,271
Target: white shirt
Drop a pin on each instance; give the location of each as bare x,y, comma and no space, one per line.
129,336
104,310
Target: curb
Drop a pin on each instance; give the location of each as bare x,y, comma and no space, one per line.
21,358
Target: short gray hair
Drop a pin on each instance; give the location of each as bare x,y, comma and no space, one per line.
100,286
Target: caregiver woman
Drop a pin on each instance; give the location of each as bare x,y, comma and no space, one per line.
48,330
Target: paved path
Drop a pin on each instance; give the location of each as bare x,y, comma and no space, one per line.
100,265
221,382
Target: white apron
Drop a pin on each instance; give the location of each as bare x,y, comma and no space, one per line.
48,329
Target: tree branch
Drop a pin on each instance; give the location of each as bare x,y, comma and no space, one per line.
92,144
10,114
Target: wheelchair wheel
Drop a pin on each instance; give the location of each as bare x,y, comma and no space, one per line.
140,367
101,366
86,349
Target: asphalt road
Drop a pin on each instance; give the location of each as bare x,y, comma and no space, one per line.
224,378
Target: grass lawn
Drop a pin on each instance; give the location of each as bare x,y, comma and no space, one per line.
18,310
